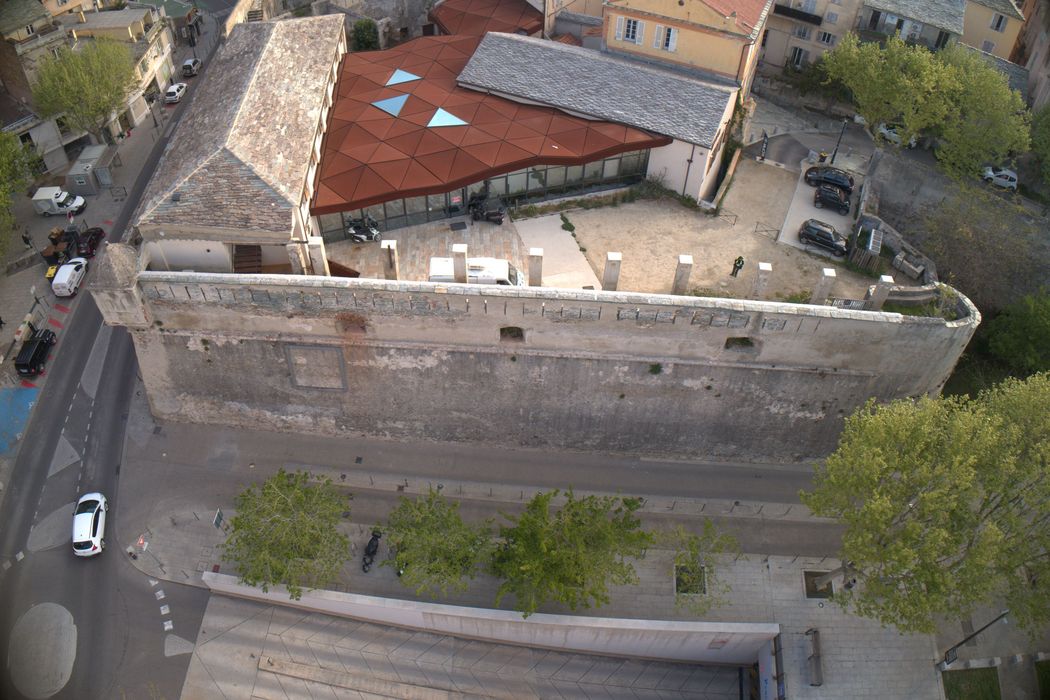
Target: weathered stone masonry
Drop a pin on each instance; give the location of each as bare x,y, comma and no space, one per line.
593,370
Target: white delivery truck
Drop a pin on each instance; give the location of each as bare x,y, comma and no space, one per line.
479,271
52,200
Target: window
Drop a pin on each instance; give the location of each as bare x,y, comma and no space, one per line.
831,18
942,40
666,38
30,30
998,22
802,31
988,46
809,6
26,139
765,35
826,38
799,57
630,30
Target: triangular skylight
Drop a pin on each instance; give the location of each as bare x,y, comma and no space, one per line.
392,105
401,76
443,118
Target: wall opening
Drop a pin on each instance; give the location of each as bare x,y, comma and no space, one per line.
809,579
511,334
739,344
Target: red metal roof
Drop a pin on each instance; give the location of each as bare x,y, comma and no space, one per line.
477,17
371,156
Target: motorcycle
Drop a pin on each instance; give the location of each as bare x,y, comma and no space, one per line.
364,230
483,209
371,549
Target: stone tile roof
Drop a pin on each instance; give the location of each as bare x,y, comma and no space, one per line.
16,14
599,85
240,155
1016,76
108,19
1003,7
942,14
580,19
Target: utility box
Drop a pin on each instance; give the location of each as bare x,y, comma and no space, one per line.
92,170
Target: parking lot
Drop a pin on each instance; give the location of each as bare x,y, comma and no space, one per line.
802,208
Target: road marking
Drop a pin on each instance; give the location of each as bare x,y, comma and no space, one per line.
159,595
152,582
56,323
165,610
20,556
6,565
62,307
169,625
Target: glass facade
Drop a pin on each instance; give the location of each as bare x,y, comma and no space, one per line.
533,184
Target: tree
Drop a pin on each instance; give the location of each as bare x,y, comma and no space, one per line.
1020,335
570,556
86,87
17,164
988,121
697,557
1041,140
365,36
946,503
434,548
285,532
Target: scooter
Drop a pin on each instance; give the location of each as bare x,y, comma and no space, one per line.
370,550
364,230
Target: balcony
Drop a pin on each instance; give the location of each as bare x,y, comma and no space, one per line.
801,16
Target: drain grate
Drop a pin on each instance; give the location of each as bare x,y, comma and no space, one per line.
458,226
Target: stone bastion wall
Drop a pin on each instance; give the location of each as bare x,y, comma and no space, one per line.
608,371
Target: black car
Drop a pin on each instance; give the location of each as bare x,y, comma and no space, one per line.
826,175
822,235
831,197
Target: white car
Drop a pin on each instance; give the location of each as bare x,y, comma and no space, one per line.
68,278
89,525
1000,177
891,132
175,93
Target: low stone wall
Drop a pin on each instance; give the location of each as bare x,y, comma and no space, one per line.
737,643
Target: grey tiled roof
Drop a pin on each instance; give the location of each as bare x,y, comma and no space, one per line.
942,14
1016,76
15,14
1003,7
596,84
108,19
240,154
580,19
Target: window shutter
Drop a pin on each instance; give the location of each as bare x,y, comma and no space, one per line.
619,28
641,34
658,36
674,39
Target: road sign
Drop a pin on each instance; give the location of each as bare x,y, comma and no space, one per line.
217,520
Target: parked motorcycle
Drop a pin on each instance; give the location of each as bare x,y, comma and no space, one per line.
365,230
490,210
370,550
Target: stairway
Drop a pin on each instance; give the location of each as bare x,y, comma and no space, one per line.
247,259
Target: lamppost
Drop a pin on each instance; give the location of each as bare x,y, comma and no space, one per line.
839,142
36,300
953,653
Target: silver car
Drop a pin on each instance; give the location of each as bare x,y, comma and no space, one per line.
89,525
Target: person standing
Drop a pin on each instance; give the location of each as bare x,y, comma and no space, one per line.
738,265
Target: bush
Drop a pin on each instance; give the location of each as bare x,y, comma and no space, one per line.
566,224
1020,335
365,36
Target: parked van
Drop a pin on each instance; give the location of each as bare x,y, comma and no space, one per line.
35,350
52,200
68,278
479,271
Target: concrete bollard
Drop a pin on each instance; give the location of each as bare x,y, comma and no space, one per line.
611,277
765,271
681,275
535,267
459,262
877,294
391,262
824,287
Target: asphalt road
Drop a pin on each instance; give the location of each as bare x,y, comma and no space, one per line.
120,639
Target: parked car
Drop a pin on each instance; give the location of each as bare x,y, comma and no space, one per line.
175,93
827,175
32,357
892,133
1000,177
191,67
89,525
69,277
832,197
822,235
53,200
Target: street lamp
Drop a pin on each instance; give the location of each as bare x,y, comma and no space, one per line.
36,300
953,653
839,142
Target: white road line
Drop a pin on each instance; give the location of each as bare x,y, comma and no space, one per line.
165,610
20,556
169,625
159,595
153,582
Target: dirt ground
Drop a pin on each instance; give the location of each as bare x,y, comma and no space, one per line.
652,234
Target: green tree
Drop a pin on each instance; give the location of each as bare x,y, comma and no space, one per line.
434,548
988,121
946,504
1020,335
697,562
898,84
365,36
570,556
86,87
17,164
1041,140
285,532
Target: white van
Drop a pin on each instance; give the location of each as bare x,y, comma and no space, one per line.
68,278
479,271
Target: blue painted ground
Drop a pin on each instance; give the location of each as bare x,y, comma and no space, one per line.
15,405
